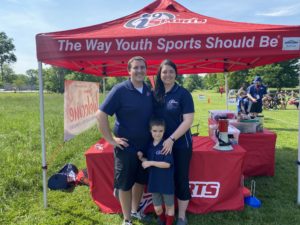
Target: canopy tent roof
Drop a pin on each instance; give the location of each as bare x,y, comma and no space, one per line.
166,29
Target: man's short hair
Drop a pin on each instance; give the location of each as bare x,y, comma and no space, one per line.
135,58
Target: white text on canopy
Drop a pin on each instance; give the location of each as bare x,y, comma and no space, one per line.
167,44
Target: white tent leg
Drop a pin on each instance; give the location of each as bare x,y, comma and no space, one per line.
298,162
44,165
226,89
103,85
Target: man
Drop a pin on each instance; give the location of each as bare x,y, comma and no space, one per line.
255,93
131,102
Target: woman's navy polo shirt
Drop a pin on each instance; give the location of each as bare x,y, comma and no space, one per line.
178,101
161,180
255,92
133,111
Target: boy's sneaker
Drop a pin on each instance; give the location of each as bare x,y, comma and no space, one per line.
127,222
159,222
181,221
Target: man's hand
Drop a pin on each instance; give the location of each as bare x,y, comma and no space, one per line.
119,142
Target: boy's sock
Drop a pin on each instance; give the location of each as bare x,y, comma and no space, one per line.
169,219
162,217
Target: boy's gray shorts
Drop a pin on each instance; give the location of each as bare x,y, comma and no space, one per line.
158,199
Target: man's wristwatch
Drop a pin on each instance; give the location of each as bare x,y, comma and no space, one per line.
172,138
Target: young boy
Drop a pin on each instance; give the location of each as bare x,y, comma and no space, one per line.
161,174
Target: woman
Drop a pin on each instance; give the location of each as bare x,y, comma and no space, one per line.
175,105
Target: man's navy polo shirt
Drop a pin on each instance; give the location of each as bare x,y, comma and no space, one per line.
255,92
133,111
178,101
161,180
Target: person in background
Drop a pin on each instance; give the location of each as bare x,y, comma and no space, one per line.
294,99
161,174
221,90
175,105
131,134
256,92
242,100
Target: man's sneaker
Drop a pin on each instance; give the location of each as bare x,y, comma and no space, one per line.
127,222
181,221
137,215
140,216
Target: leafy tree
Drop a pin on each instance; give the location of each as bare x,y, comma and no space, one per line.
20,81
278,75
180,79
214,81
237,78
32,78
192,82
6,52
210,81
112,81
54,79
83,77
10,74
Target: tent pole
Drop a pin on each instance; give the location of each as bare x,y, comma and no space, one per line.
44,165
298,162
226,89
103,85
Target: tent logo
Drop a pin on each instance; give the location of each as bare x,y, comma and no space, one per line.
147,20
291,43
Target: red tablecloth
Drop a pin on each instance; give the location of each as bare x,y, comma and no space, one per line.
260,156
215,177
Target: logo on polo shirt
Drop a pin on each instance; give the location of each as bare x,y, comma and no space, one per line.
291,43
201,189
148,20
172,104
158,152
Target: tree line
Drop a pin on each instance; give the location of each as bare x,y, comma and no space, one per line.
278,75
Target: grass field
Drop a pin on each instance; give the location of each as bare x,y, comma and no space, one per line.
21,198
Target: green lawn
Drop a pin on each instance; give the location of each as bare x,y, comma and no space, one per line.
21,175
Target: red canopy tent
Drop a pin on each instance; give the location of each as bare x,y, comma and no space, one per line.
166,29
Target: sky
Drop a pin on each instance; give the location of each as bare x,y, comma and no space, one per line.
21,20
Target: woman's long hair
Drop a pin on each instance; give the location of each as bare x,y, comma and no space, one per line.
159,89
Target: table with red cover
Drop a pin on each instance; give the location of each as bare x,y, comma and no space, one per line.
215,177
260,156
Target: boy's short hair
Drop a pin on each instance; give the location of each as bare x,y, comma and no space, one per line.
157,122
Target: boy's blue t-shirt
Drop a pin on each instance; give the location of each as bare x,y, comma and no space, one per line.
161,180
